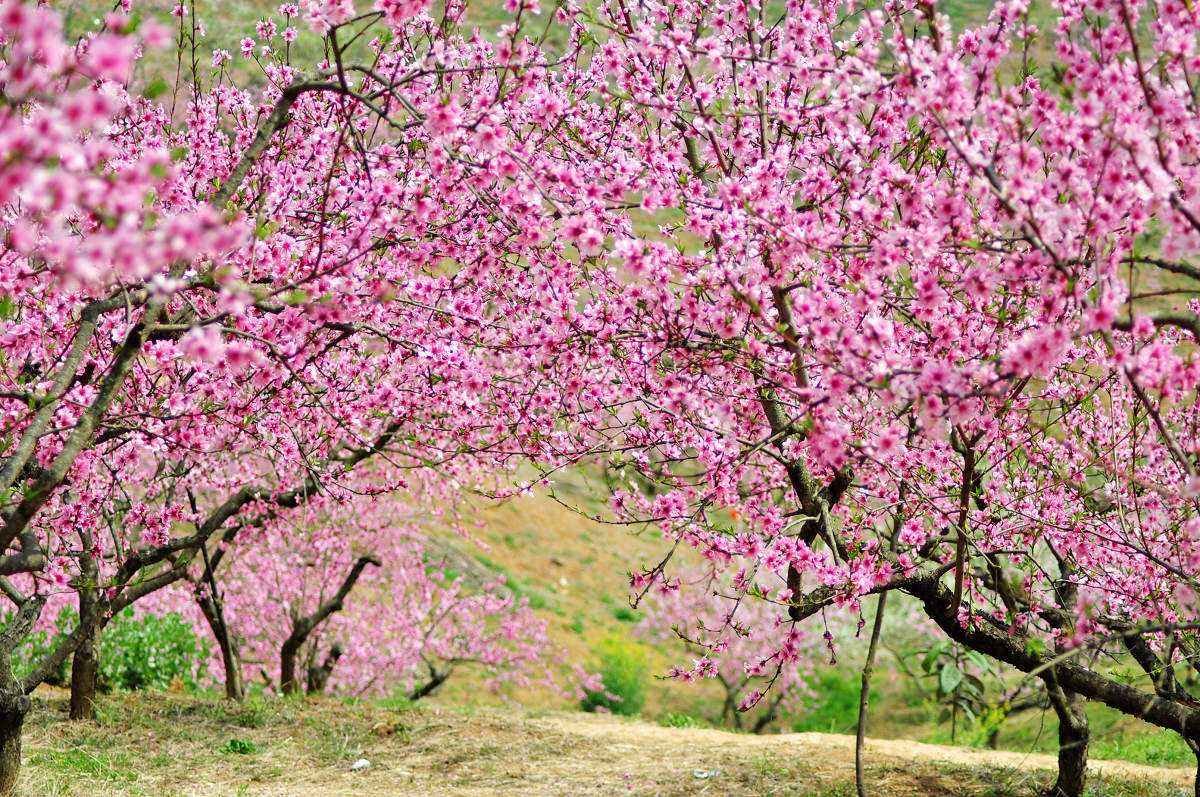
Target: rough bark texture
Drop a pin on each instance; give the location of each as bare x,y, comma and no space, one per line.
12,718
85,667
1073,737
85,663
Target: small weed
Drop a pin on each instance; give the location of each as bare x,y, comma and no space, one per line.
626,614
239,747
679,720
624,672
398,702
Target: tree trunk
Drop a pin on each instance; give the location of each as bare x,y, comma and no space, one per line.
13,709
302,627
318,674
234,689
85,663
1194,746
287,667
768,716
436,679
1073,737
85,666
864,697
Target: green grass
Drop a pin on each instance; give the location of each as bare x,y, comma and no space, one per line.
1156,748
1114,736
90,759
835,709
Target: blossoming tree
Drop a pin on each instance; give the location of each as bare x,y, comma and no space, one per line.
349,599
236,306
737,642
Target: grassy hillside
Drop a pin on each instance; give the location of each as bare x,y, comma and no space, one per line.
169,745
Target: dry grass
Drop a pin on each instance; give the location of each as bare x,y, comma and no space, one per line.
167,745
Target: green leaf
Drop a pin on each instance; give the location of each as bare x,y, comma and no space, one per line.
156,88
949,678
932,655
979,660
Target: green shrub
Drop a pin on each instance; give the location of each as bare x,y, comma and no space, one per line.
147,652
679,720
39,645
623,672
150,652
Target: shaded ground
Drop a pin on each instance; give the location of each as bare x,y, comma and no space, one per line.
164,744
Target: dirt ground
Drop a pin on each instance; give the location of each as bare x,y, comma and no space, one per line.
175,745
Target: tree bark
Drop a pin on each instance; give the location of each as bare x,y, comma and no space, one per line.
864,696
13,709
1073,737
1011,649
230,661
85,667
85,663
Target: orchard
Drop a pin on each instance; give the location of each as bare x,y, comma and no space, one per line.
858,308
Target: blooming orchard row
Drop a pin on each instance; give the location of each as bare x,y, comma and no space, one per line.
874,304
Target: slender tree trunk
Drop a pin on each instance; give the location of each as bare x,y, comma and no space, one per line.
302,627
729,712
213,609
234,689
13,708
864,695
1073,737
85,663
